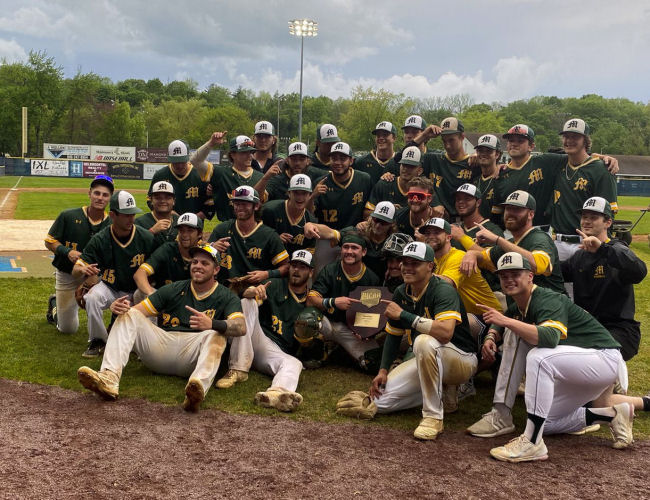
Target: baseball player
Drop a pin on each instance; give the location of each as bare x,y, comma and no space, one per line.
603,272
113,254
443,353
288,217
570,360
226,179
326,137
197,316
413,125
270,310
392,251
380,159
66,239
583,176
249,249
410,166
266,145
171,261
419,209
161,221
488,153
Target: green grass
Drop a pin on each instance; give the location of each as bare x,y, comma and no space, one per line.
33,351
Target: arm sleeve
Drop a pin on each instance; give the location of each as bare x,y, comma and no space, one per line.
390,350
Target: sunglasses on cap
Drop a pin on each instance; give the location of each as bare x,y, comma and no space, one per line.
417,196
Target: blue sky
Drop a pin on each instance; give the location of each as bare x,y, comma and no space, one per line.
493,50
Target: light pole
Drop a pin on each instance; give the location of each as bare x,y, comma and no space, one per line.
302,28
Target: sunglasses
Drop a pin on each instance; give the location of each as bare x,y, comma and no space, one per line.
416,196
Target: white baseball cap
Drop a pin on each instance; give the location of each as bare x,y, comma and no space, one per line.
522,199
512,260
191,220
385,126
300,182
489,141
576,125
264,127
303,256
341,147
451,125
469,189
177,152
419,251
327,133
411,156
297,148
123,202
438,222
162,187
385,211
245,193
415,121
597,204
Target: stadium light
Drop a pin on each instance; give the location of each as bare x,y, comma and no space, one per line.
302,28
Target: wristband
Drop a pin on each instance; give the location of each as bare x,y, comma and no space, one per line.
274,273
62,250
409,318
328,304
490,336
219,325
423,325
497,241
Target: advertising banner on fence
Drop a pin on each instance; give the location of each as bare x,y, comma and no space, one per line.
52,168
148,169
76,168
93,168
151,155
125,170
112,153
66,151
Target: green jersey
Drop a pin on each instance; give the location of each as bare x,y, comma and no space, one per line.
167,264
332,281
465,244
275,216
189,190
574,186
170,300
536,177
403,221
447,176
343,204
261,249
488,197
148,220
374,259
318,163
387,191
277,187
375,167
72,230
560,322
279,311
118,260
224,181
540,244
438,301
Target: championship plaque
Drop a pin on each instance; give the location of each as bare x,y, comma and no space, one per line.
366,317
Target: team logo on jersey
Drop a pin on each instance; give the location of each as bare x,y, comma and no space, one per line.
581,185
599,272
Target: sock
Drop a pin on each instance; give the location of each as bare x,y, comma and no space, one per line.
534,426
504,411
593,415
646,403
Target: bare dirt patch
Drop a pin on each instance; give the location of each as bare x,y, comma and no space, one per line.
8,202
63,444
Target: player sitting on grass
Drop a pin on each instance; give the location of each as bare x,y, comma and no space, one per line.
197,316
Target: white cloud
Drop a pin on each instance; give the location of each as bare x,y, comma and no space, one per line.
11,51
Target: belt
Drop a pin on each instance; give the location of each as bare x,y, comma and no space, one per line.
567,238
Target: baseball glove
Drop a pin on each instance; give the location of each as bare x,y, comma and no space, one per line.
238,285
356,404
83,289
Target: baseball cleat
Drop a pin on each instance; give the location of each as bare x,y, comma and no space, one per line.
231,378
586,430
51,310
194,396
280,400
428,429
105,383
95,348
520,449
492,424
621,426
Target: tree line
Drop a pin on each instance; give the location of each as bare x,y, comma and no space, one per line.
91,109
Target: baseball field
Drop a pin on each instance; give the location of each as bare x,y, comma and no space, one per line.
60,441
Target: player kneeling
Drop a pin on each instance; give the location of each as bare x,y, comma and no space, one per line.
197,316
442,354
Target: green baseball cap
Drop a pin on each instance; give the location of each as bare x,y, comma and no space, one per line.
521,199
352,236
598,205
513,261
419,251
123,202
178,152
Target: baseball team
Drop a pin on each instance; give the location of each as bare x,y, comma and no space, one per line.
473,263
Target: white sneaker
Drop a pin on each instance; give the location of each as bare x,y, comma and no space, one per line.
520,449
491,425
621,426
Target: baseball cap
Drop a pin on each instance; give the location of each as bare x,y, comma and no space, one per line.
521,199
103,180
598,205
341,147
123,202
489,141
451,125
264,127
411,156
297,148
303,256
300,182
437,222
162,187
178,152
191,220
210,250
242,143
576,125
245,193
520,129
471,190
385,126
512,260
385,211
415,121
353,236
327,133
419,251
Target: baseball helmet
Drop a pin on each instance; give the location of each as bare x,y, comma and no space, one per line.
307,325
394,244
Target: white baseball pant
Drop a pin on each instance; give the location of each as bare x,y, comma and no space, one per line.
419,381
99,298
67,309
185,354
342,335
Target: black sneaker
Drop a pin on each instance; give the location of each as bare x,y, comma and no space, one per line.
95,349
51,310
